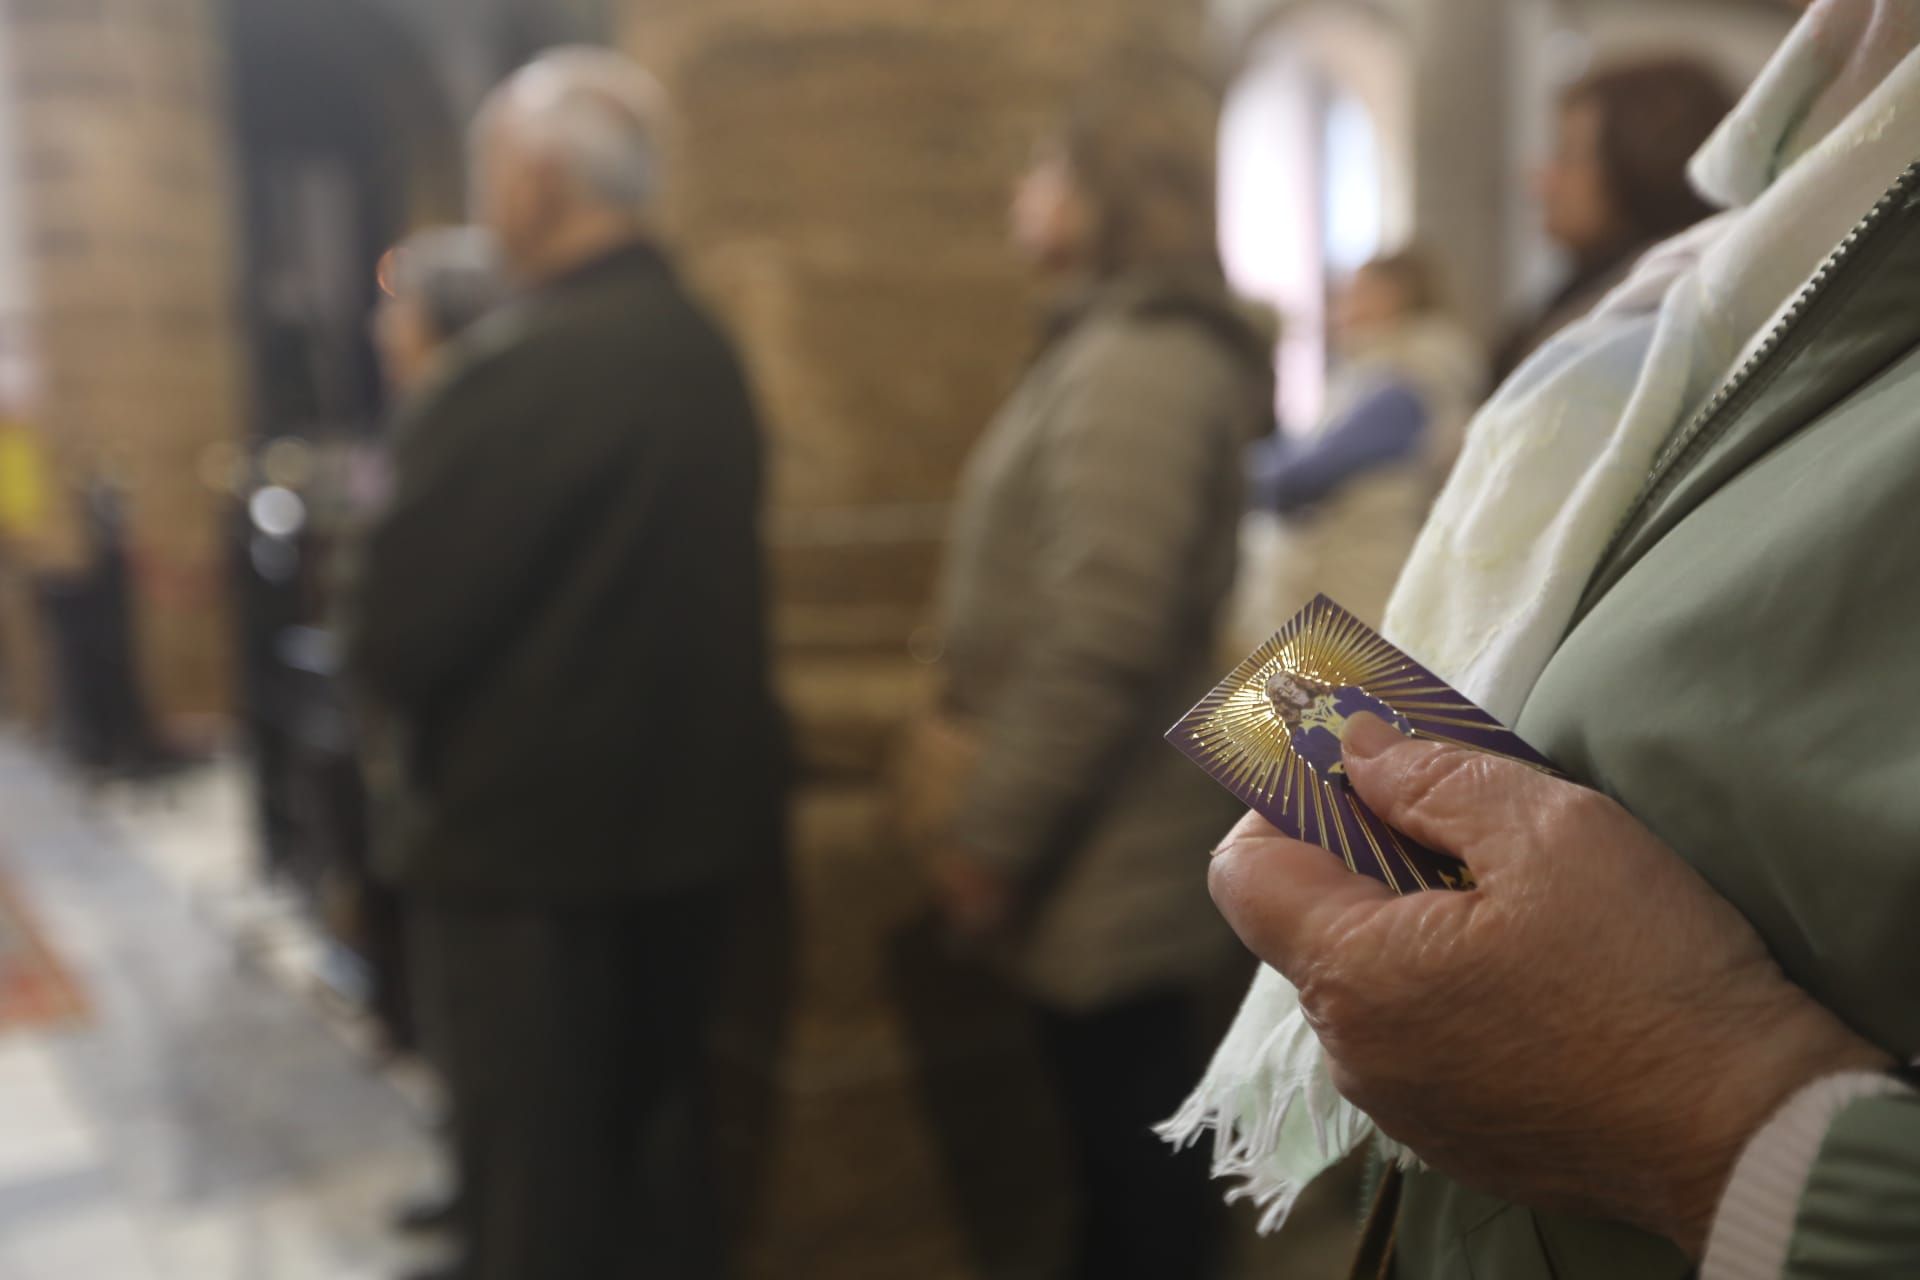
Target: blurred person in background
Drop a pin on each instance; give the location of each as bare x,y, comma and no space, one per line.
1616,183
1351,496
562,608
30,543
436,285
1092,547
64,549
103,718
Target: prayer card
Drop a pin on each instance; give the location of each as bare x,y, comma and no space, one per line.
1270,733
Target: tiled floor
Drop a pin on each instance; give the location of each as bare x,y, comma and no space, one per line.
216,1118
211,1121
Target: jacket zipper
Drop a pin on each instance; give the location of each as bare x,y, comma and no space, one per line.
1723,408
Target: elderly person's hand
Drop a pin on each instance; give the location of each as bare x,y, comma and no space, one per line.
1591,1030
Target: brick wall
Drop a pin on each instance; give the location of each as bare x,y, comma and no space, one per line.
125,200
842,179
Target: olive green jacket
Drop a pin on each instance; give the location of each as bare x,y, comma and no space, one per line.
1093,545
1744,676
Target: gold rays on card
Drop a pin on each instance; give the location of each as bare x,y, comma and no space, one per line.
1236,732
1237,735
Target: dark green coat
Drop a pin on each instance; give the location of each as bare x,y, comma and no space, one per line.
563,610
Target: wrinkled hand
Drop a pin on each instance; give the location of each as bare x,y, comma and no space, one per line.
1591,1030
974,899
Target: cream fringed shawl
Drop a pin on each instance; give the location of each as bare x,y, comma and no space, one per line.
1555,459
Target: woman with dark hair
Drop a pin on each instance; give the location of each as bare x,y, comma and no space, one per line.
1616,183
1092,548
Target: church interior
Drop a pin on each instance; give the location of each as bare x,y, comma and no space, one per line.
205,1061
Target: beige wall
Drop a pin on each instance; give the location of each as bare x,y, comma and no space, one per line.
843,176
130,248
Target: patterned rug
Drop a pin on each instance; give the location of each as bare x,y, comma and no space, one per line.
35,988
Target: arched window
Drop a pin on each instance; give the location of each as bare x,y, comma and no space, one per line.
1314,172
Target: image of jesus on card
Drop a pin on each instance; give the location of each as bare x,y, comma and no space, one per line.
1316,716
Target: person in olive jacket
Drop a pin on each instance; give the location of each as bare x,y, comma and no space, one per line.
562,608
1093,547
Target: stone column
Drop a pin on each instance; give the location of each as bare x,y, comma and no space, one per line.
1462,152
124,172
842,179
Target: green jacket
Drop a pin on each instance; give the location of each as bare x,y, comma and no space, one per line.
1743,677
562,607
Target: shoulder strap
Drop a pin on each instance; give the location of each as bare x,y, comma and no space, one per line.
1374,1259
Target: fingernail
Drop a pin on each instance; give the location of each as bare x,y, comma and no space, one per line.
1367,735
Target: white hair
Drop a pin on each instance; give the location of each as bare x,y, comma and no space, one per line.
599,114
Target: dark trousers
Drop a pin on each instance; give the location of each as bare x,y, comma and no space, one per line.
573,1043
1146,1212
103,721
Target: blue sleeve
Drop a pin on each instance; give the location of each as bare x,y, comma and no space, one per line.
1383,427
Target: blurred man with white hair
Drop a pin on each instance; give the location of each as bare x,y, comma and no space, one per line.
563,607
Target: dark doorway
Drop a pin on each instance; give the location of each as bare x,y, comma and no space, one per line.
344,142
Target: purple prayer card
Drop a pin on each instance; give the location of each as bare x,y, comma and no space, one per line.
1270,733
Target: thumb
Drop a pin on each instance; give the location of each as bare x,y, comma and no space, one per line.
1287,900
1447,797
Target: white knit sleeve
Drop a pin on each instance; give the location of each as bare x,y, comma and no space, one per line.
1754,1225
